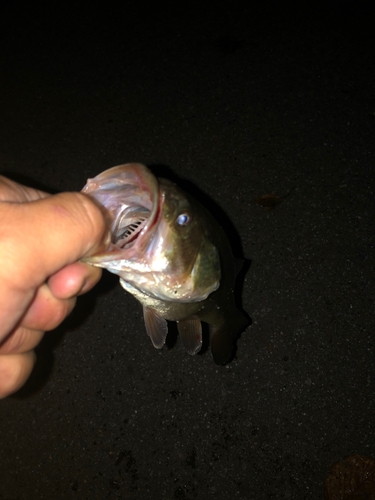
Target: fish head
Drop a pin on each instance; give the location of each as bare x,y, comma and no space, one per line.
160,242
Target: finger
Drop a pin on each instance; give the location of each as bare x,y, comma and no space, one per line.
46,312
55,231
41,237
74,279
15,369
21,340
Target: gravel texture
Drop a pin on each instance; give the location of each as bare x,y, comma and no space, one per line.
234,104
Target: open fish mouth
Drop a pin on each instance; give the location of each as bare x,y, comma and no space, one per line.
130,193
129,225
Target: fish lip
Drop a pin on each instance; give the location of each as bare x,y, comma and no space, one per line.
146,185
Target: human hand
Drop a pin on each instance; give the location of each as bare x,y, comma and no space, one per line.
42,238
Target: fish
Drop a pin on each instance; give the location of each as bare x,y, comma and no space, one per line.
172,256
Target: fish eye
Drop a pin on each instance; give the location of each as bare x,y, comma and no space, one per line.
183,219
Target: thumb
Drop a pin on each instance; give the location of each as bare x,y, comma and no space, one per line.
45,235
41,237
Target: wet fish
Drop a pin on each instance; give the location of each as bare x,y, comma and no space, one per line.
172,255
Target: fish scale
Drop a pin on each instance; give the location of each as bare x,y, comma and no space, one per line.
172,255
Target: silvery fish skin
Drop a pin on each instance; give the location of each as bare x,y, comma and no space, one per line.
172,255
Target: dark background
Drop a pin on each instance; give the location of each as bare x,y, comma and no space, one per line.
239,103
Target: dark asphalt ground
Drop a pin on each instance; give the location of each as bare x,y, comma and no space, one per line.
234,104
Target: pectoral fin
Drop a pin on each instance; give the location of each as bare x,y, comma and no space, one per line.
156,327
191,334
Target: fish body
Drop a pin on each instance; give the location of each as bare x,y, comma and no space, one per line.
172,255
